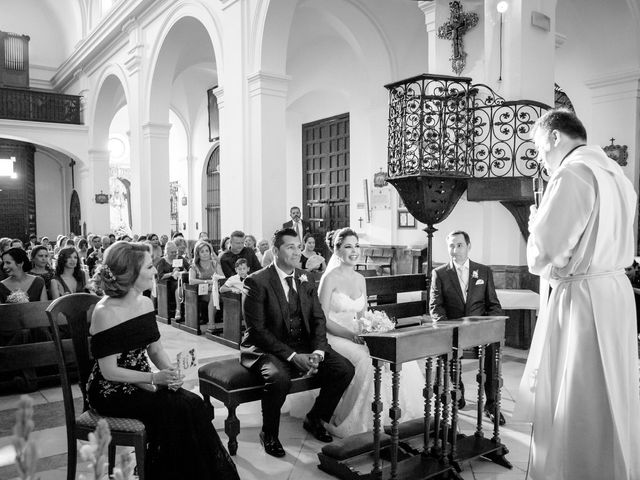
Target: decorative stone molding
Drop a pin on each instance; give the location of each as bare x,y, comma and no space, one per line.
265,83
219,94
156,130
622,85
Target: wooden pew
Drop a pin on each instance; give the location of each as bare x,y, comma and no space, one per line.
232,321
192,309
166,298
382,292
378,258
26,346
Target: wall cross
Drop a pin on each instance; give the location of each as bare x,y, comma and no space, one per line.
459,23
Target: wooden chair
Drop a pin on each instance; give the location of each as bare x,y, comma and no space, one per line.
74,311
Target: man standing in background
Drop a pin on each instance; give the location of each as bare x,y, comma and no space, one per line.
296,223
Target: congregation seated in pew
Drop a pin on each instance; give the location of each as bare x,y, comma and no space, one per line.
206,270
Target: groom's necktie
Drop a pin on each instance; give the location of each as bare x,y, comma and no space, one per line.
463,281
292,297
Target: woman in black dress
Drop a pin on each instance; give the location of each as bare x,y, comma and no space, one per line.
69,277
20,286
41,267
182,441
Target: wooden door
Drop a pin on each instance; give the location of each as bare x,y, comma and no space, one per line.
325,175
213,198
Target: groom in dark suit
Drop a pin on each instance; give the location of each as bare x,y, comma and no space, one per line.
463,288
285,338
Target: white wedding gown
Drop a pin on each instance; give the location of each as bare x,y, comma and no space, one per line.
353,414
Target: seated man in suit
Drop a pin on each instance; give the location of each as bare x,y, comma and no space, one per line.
286,337
296,223
463,288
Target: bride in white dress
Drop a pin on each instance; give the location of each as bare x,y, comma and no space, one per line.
343,296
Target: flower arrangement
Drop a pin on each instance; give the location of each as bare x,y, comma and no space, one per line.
18,296
375,321
25,447
96,451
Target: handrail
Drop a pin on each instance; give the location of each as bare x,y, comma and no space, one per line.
39,106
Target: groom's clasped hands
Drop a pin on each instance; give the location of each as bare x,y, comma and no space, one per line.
307,363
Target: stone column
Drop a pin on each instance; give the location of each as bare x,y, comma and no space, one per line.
153,180
234,138
268,172
528,49
97,215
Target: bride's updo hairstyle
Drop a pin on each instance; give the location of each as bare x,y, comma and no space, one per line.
340,236
120,268
328,239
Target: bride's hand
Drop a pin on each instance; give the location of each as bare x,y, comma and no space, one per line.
357,339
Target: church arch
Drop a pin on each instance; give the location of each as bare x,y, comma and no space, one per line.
172,53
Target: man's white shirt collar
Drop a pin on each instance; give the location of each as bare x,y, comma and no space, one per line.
464,266
282,276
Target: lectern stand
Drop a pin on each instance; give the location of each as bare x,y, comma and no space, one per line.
376,455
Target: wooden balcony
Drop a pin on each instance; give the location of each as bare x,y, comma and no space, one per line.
39,106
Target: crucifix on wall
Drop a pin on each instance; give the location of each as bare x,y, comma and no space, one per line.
458,24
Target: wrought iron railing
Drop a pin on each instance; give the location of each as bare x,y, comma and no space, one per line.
39,106
445,125
429,125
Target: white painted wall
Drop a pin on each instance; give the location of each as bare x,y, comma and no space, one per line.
53,195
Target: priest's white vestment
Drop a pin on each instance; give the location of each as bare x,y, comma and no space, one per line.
580,385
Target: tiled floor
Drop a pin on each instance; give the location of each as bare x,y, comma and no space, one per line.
301,460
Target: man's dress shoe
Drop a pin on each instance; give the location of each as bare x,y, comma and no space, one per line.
489,414
315,428
272,445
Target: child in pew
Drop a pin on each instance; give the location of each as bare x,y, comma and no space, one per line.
235,283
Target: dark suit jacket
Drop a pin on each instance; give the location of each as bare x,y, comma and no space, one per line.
446,301
306,228
266,314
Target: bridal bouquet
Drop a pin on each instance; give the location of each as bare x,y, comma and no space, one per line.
375,321
18,296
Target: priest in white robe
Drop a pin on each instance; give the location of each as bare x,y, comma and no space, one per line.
580,385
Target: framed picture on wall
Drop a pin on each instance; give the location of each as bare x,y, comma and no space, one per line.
406,220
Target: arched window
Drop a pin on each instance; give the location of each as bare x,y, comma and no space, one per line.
74,214
213,197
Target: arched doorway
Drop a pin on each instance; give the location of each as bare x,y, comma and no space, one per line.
74,214
213,197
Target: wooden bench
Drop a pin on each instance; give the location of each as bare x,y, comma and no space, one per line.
383,295
192,310
27,347
378,259
232,321
166,299
233,384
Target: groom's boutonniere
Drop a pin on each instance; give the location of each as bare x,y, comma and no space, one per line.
474,274
303,278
